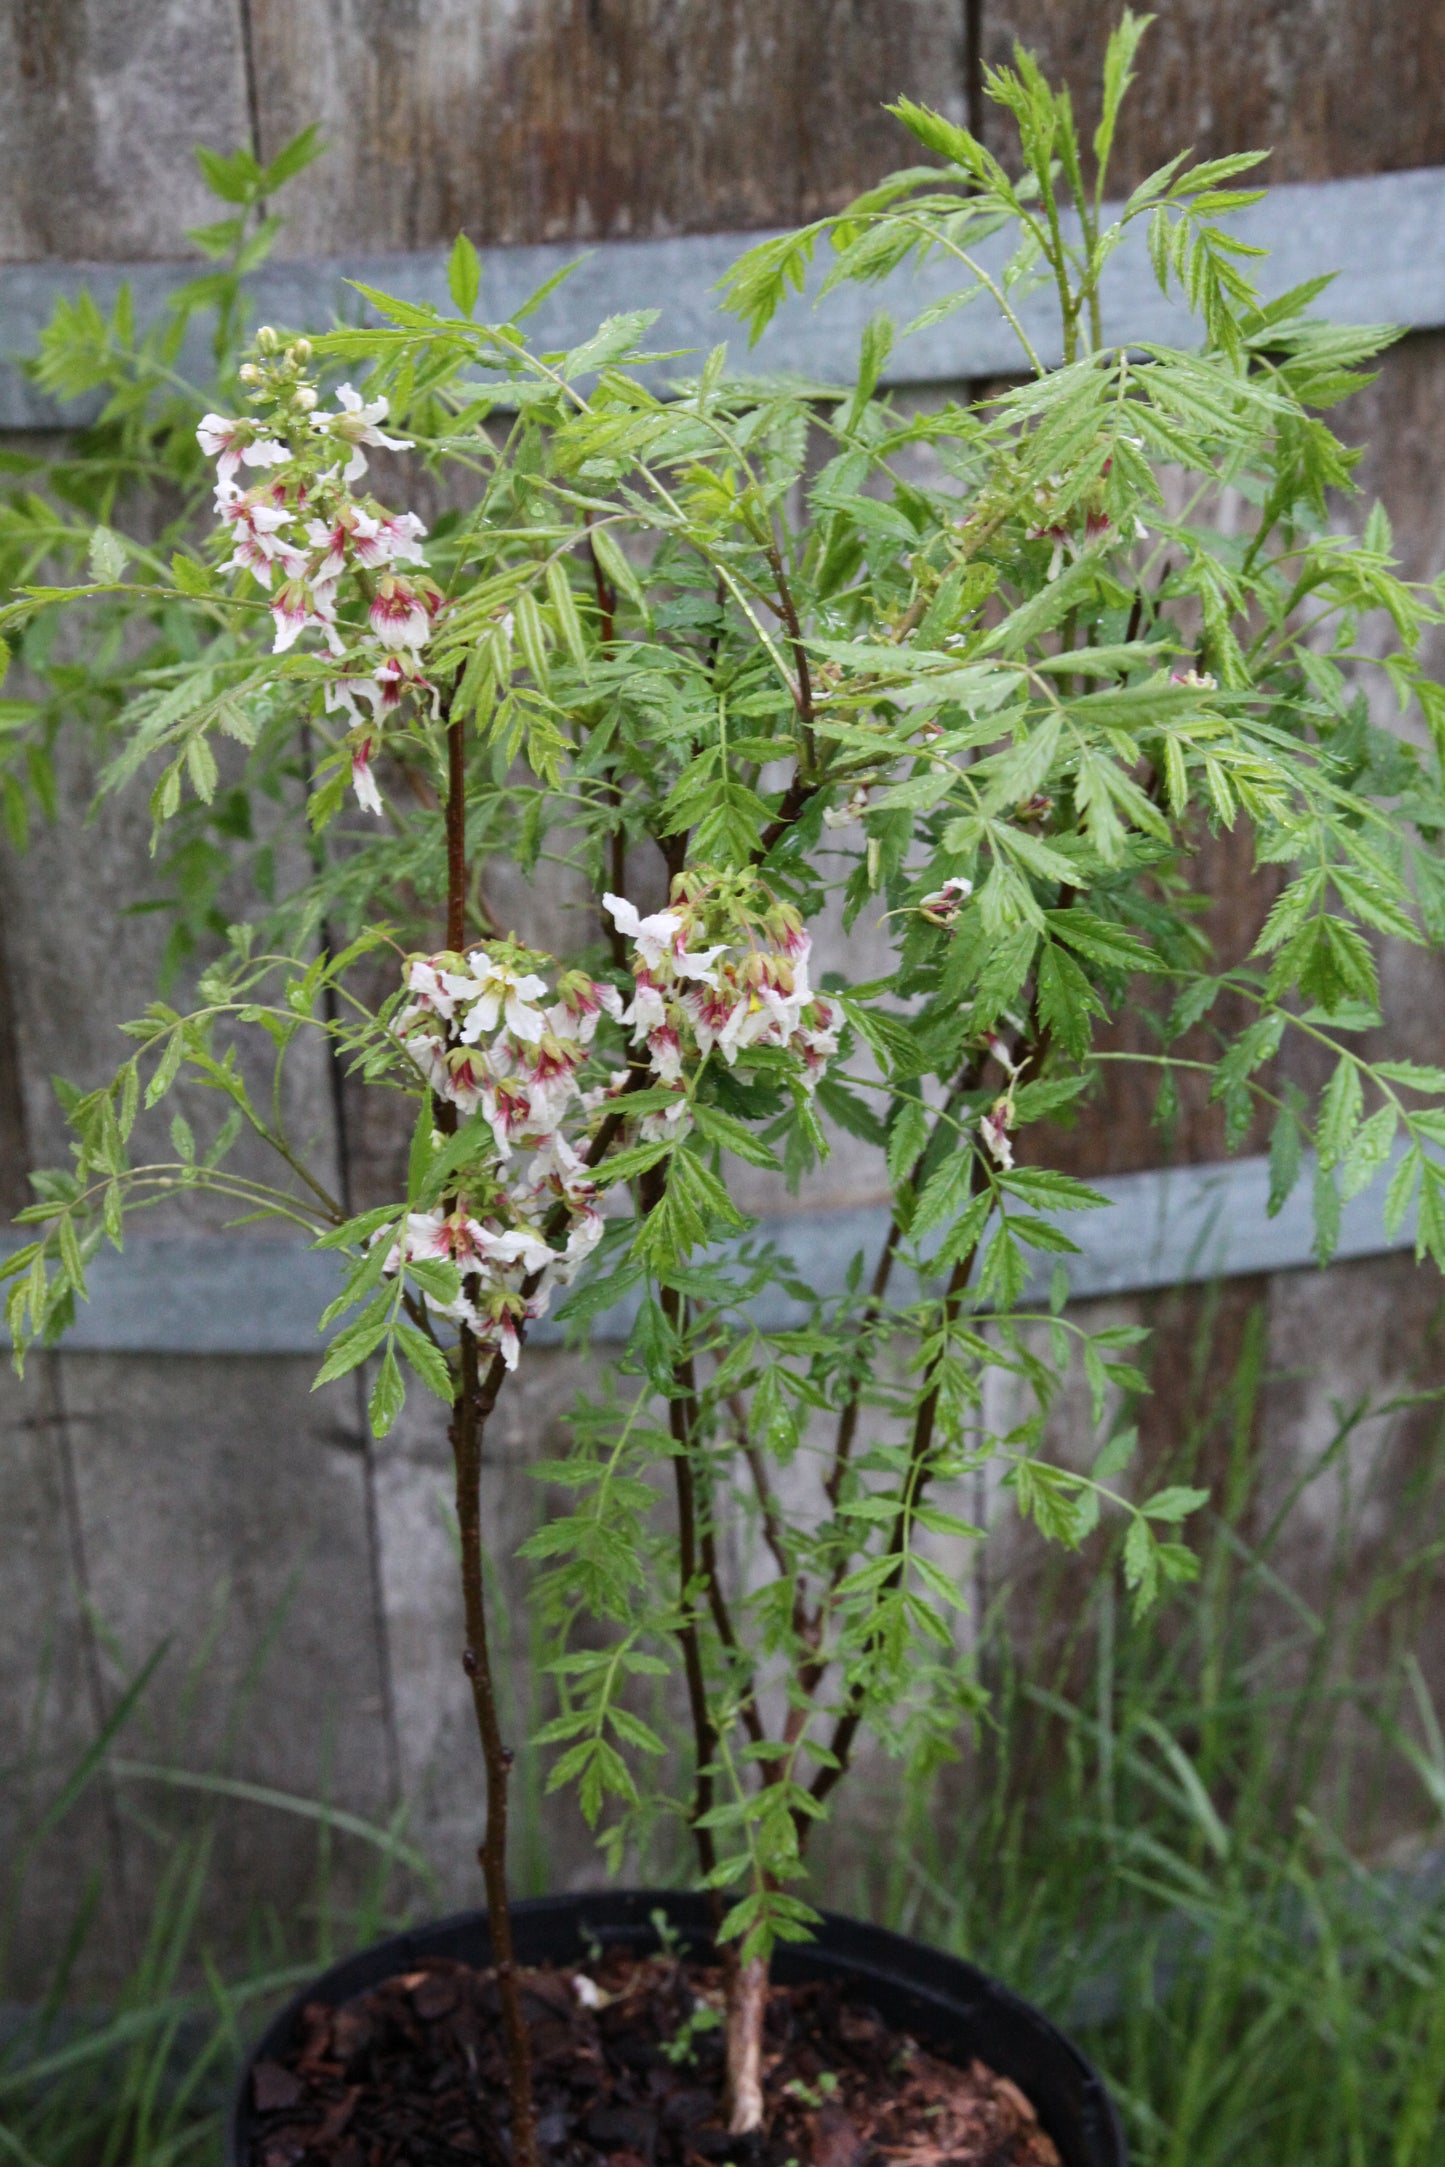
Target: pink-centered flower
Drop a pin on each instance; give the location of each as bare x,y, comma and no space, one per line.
256,531
299,603
400,614
664,1049
582,1004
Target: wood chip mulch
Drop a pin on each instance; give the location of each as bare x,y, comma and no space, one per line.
628,2071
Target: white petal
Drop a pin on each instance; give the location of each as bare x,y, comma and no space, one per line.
624,914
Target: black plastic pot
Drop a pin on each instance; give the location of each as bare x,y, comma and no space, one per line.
936,1998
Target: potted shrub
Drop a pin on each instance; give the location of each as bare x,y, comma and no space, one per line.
729,659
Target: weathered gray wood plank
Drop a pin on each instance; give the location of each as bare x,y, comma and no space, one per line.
1381,235
1333,88
101,102
1182,1225
225,1506
541,119
51,1695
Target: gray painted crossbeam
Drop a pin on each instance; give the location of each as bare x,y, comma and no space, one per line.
1384,235
245,1295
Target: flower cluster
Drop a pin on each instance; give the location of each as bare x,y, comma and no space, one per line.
302,525
693,994
486,1035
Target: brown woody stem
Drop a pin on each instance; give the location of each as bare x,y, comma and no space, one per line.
468,1421
788,610
617,843
466,1436
679,1407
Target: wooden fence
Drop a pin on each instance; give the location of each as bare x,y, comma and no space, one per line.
158,1485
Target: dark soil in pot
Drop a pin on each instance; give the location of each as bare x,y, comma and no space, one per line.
878,2050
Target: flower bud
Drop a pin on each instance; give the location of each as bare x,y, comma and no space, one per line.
304,397
299,352
267,340
249,373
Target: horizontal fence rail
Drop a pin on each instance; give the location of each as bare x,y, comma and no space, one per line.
1383,234
232,1294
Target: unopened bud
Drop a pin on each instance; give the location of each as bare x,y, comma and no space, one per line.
249,373
267,340
305,397
299,352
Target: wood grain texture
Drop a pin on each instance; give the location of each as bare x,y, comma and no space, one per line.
223,1509
530,120
51,1696
15,1190
1331,88
101,102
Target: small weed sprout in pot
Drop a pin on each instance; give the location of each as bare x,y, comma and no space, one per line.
717,656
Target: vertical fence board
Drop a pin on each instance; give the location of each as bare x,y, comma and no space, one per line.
100,104
1331,89
225,1511
48,1707
552,119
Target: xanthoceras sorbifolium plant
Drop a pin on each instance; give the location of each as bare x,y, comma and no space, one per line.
723,659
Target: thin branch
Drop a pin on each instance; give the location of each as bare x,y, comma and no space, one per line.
845,1729
606,595
466,1439
803,691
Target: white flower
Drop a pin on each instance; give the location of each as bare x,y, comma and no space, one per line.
344,692
585,1235
517,1247
999,1049
653,936
356,425
995,1127
665,1052
496,991
401,532
363,782
505,1337
657,942
647,1012
230,442
299,603
257,533
945,903
425,1050
697,963
843,816
425,981
669,1123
